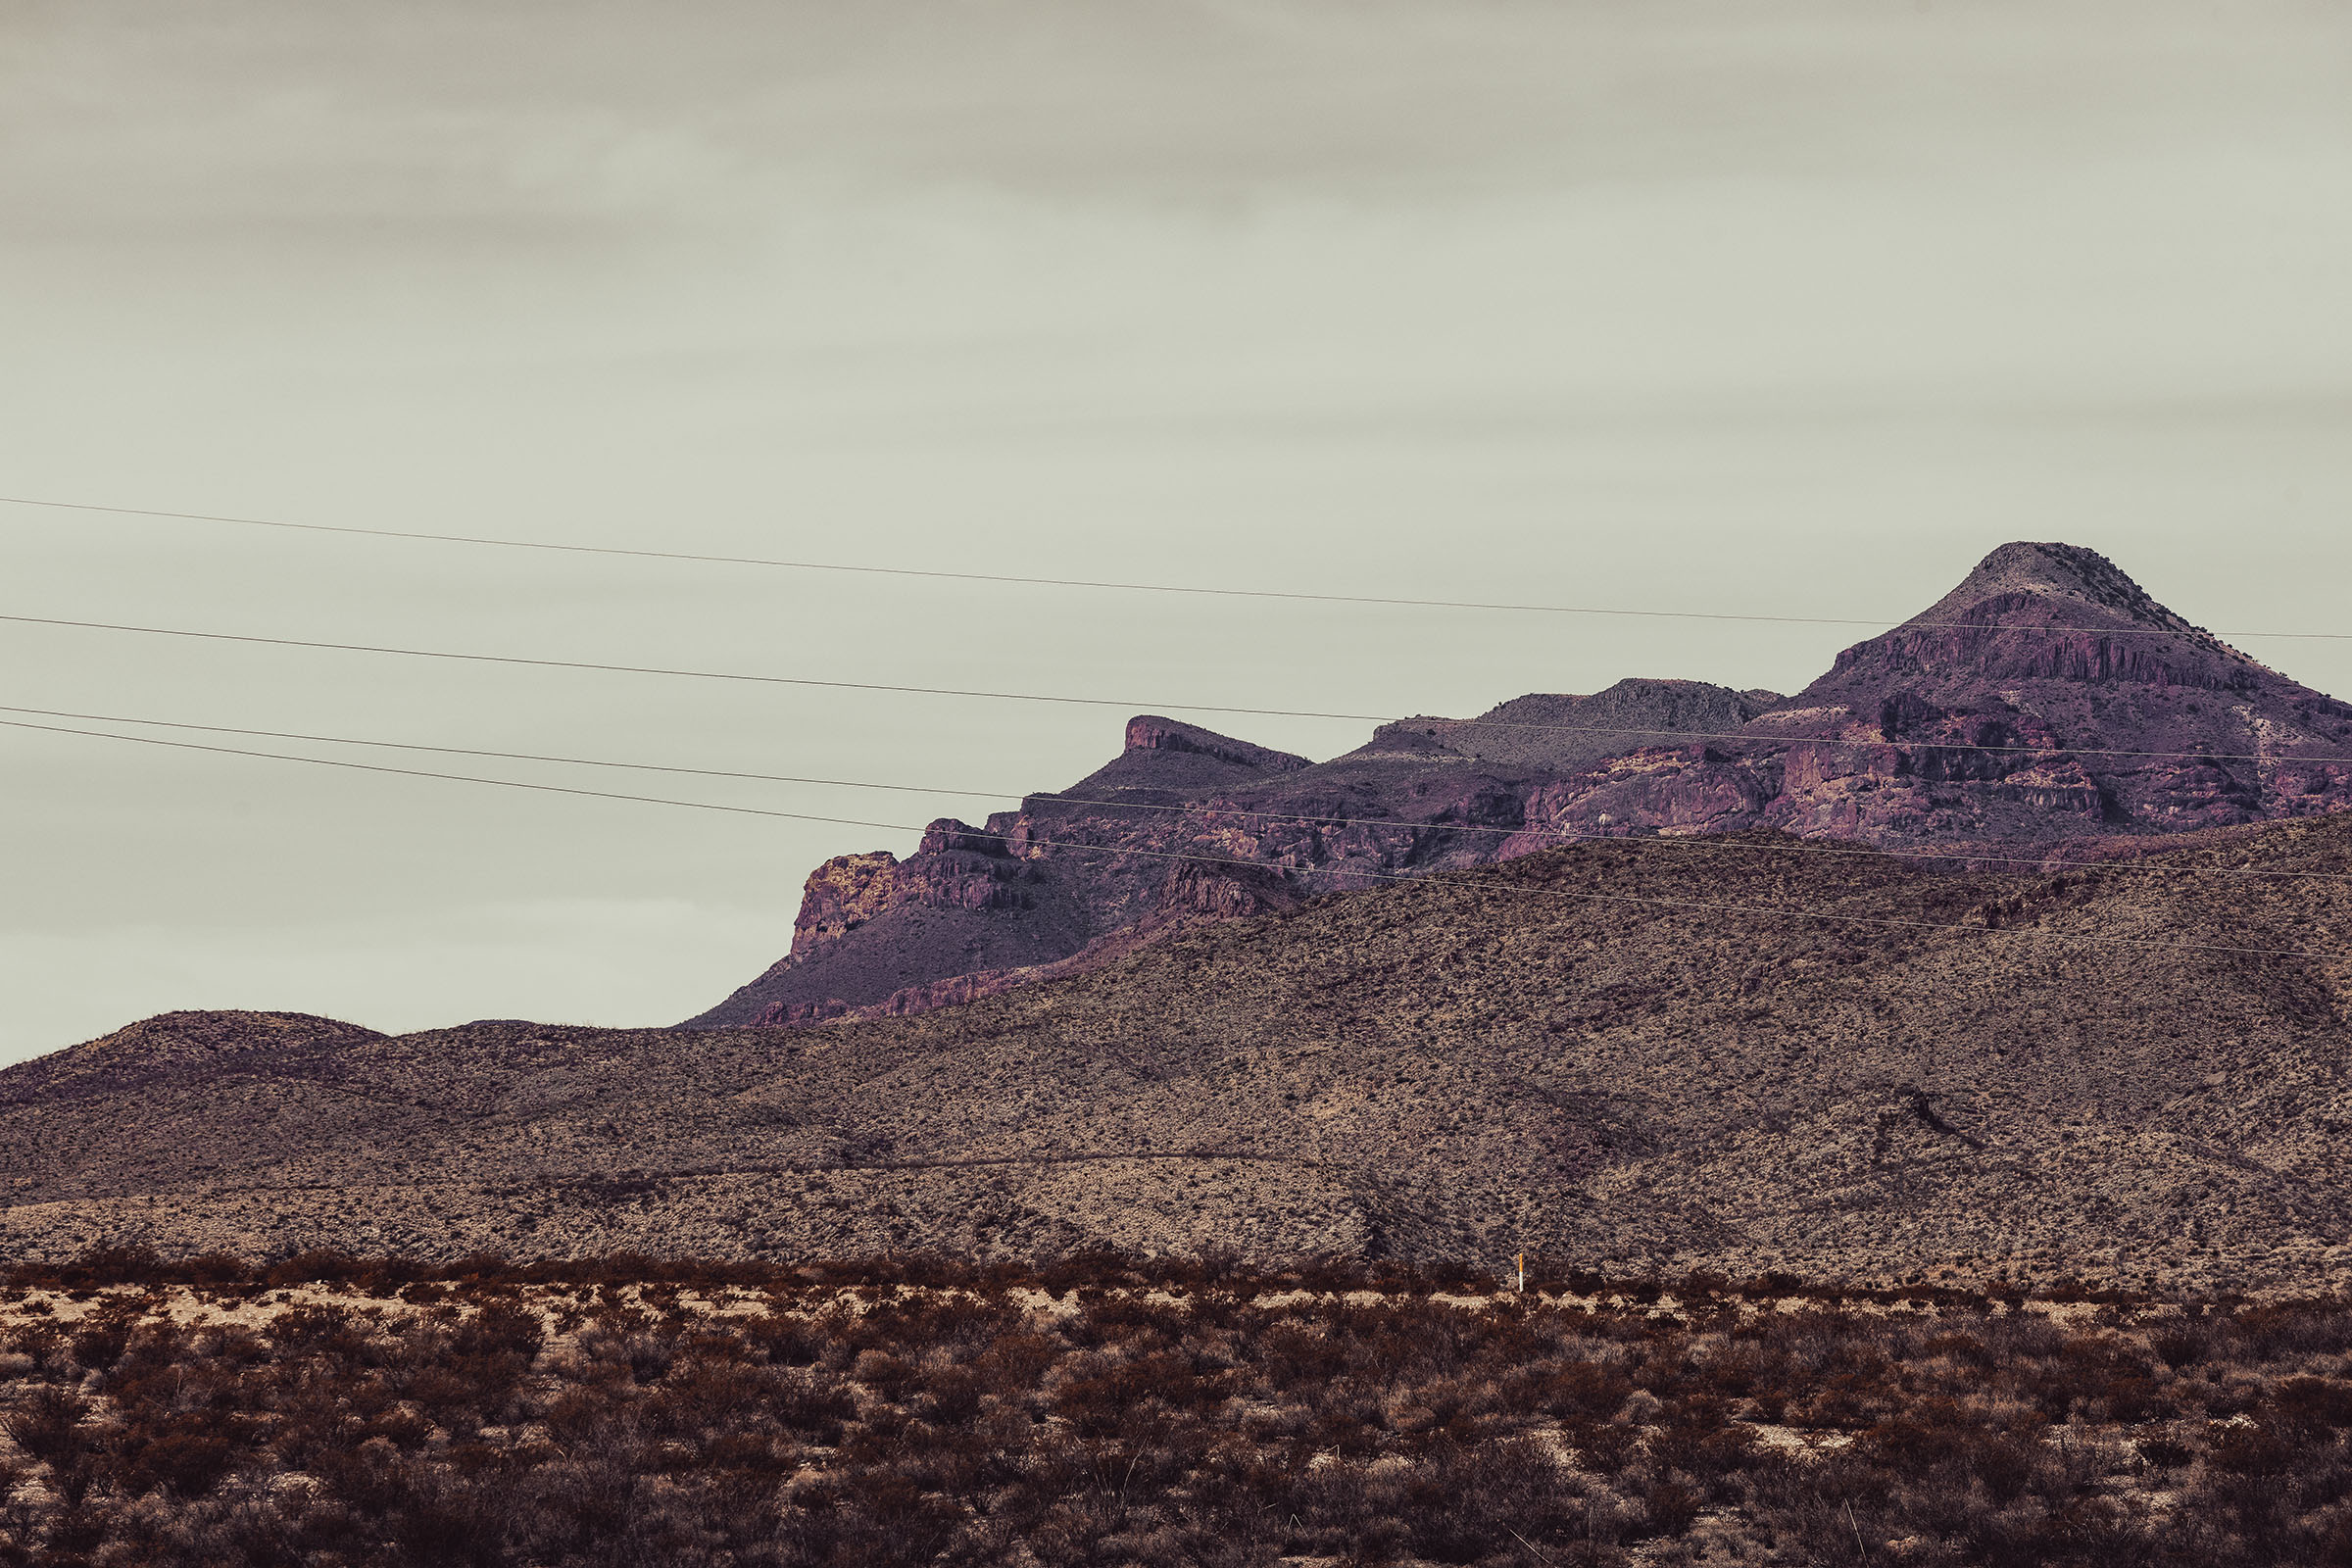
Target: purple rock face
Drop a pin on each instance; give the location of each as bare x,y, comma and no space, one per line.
2046,699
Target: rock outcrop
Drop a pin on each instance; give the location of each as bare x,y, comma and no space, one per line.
2046,699
1193,892
872,925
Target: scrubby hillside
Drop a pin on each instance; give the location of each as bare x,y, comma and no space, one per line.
1741,1054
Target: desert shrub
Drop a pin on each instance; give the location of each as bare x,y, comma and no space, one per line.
2330,1545
2181,1343
1584,1390
935,1419
1960,1346
890,1376
188,1454
950,1398
2311,1406
501,1328
1698,1439
2293,1329
1293,1354
1934,1431
700,1396
1351,1426
626,1344
1845,1401
959,1325
2252,1449
1117,1321
101,1344
1737,1369
1461,1505
2004,1466
814,1408
1014,1362
1604,1447
316,1331
1105,1397
1669,1508
2021,1336
304,1268
781,1338
44,1423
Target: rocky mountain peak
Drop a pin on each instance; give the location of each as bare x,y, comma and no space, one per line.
2053,586
2047,698
2037,614
1167,754
1149,732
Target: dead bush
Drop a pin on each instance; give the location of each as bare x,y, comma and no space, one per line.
44,1423
1584,1390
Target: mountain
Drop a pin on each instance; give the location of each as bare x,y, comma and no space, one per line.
2044,698
1741,1052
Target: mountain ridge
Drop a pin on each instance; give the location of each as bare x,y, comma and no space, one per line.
2010,711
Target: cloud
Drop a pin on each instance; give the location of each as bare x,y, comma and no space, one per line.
1692,303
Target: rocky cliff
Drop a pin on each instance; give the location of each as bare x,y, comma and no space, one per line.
2044,698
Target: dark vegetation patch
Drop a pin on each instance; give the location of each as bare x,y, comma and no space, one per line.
1098,1410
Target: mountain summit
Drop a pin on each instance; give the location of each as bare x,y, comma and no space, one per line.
2041,612
2017,574
2047,698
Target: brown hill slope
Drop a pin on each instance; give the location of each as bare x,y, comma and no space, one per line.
2045,697
1570,1052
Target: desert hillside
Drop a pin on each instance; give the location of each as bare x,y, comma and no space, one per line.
1740,1053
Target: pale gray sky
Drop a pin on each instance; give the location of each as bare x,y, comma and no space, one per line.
1719,305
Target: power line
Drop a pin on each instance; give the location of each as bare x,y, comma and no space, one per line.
1199,808
1162,855
511,756
1011,579
1127,704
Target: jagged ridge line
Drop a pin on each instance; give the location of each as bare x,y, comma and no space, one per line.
1293,595
1209,811
1123,704
1199,859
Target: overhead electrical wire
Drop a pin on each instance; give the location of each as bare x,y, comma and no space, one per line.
1198,809
1769,910
1126,703
1295,596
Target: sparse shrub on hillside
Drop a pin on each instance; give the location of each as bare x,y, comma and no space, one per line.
43,1423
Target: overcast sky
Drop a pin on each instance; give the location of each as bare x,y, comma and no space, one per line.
1794,309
